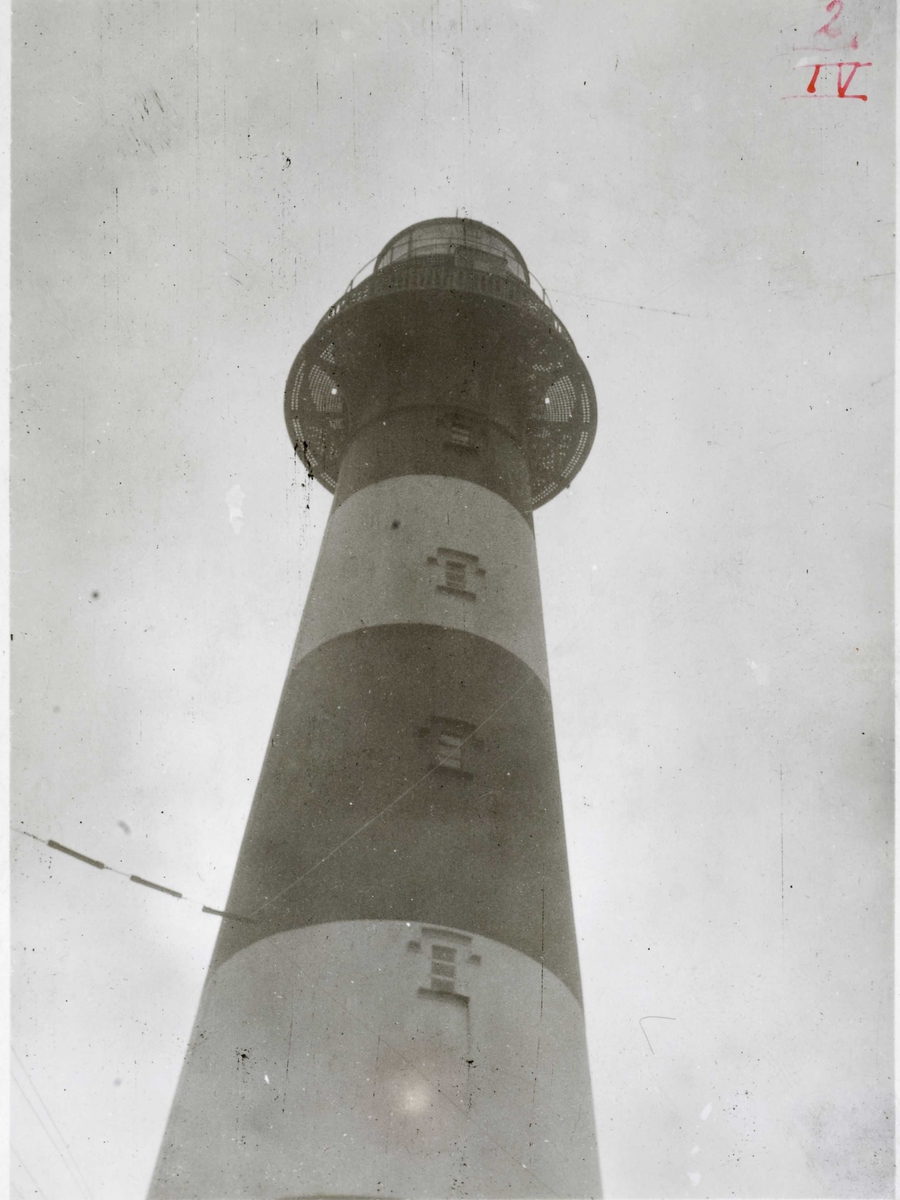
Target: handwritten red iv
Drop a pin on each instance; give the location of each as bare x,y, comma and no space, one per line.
831,30
842,83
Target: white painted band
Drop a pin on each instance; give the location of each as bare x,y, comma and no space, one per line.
365,1058
384,561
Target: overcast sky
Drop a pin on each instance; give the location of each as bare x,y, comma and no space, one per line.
193,186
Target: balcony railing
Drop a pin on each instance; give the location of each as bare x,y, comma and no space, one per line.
439,272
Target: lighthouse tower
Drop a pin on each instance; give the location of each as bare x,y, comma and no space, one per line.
394,1006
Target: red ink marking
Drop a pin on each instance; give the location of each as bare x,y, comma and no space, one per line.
826,28
853,44
842,83
831,30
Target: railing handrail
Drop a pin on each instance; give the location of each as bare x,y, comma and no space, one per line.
424,272
352,282
412,260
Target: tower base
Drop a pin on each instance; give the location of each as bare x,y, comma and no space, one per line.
382,1059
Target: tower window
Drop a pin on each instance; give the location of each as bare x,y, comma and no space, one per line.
460,436
455,574
460,432
449,750
461,572
451,744
443,970
449,961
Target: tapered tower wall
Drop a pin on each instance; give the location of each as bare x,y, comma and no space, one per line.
399,1014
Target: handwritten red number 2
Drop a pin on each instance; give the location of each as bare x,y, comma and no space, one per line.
826,28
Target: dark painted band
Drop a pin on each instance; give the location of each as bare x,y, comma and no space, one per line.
352,819
431,440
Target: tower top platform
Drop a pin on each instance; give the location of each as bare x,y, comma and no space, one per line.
448,316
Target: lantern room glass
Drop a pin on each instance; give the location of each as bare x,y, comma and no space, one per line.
469,242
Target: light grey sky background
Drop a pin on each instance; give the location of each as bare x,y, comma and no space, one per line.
194,184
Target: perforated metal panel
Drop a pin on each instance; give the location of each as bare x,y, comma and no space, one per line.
556,393
315,414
